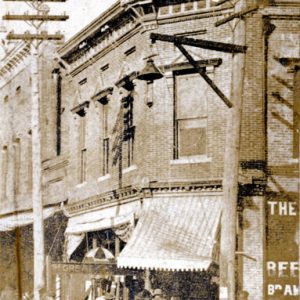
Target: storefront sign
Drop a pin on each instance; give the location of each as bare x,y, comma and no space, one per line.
69,268
282,265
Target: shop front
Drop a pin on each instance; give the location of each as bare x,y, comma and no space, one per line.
166,245
175,242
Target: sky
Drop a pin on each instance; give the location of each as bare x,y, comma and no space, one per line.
80,12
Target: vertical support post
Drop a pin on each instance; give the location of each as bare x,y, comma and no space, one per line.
37,203
231,170
18,261
117,246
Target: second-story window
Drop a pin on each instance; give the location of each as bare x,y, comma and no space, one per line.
82,149
105,141
190,115
128,130
4,167
58,114
29,161
81,110
17,164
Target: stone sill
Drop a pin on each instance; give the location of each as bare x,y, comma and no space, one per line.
129,169
191,160
104,177
80,185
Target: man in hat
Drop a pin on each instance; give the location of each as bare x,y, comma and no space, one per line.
158,295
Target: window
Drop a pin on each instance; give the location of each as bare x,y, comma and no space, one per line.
190,115
17,162
105,141
105,156
128,131
58,114
4,172
29,161
296,114
83,156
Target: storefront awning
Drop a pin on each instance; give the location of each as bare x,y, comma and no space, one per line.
10,222
110,217
104,218
174,233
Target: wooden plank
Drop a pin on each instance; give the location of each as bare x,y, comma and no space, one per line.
204,75
205,44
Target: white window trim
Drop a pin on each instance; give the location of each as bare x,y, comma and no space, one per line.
195,159
104,177
129,169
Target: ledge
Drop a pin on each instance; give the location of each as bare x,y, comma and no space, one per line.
81,109
102,96
104,177
126,81
129,169
80,185
191,160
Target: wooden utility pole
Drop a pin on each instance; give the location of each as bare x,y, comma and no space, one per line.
36,20
231,169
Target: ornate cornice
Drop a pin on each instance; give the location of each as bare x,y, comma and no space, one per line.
132,193
14,59
103,200
183,187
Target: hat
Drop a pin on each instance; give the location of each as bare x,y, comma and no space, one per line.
157,292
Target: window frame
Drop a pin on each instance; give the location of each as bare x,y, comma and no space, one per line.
176,120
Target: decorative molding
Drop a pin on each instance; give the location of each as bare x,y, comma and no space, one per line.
131,193
83,63
81,109
103,200
102,96
179,187
54,164
126,81
215,62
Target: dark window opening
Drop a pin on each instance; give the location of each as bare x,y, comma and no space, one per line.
130,51
83,151
105,156
83,81
83,165
104,68
58,115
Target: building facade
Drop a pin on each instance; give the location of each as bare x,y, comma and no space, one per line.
16,166
138,164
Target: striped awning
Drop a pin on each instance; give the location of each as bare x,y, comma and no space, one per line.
174,233
10,222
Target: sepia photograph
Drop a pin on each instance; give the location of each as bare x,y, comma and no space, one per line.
149,149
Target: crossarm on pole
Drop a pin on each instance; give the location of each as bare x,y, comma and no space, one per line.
205,44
